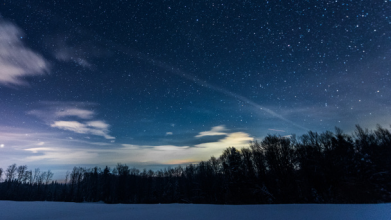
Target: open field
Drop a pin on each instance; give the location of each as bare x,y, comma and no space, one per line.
95,211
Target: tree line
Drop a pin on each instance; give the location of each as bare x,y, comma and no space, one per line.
328,167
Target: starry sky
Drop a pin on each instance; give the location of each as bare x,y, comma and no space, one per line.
160,83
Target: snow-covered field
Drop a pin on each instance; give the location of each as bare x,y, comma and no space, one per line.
10,210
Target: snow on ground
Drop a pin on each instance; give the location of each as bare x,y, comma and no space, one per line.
10,210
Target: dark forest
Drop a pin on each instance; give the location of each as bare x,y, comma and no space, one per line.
328,167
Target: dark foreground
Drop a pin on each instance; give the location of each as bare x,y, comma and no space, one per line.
95,211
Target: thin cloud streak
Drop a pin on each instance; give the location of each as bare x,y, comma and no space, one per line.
204,83
98,128
81,113
215,131
54,110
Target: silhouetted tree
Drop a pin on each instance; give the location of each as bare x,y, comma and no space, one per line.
10,173
328,167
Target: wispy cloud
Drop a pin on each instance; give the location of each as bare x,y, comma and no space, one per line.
133,153
50,111
236,139
36,147
131,147
76,46
72,116
173,154
215,131
67,54
98,128
81,113
27,146
16,60
14,138
61,155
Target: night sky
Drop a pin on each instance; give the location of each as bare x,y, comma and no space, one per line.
152,83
